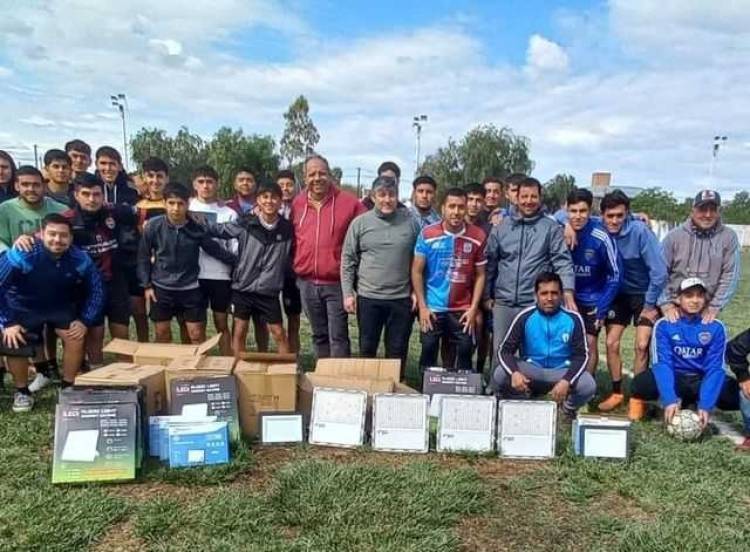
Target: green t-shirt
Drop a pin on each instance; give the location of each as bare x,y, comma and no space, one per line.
17,218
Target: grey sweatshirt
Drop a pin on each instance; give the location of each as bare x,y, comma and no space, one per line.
711,255
518,250
377,253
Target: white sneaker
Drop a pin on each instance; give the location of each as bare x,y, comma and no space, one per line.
40,382
22,403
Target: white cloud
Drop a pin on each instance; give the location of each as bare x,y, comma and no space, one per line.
544,56
650,121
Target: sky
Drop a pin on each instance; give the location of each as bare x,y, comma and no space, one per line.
638,88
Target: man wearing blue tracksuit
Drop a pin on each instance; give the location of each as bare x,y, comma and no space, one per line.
55,284
545,351
597,269
688,361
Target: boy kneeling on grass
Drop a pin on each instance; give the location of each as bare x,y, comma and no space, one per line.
688,362
265,244
38,288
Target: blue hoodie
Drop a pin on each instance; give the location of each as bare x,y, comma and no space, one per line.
644,268
689,347
597,267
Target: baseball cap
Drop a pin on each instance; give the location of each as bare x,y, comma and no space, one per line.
707,196
384,182
688,283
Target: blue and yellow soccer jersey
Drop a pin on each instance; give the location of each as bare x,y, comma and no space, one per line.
450,265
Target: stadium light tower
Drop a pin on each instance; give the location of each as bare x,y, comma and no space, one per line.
718,142
418,122
120,102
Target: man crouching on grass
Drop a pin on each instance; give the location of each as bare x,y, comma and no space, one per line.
688,361
37,288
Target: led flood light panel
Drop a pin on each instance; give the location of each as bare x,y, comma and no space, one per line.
400,423
467,423
527,429
338,417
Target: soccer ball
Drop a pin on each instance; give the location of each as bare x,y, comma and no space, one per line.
685,426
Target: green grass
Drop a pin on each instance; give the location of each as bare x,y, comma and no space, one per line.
669,496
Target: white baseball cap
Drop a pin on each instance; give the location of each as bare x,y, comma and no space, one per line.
688,283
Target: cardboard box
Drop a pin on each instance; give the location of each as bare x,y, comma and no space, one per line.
195,367
437,380
96,436
308,382
198,444
601,436
379,368
213,396
119,374
264,387
269,358
158,353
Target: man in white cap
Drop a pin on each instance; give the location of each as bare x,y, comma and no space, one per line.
688,361
702,247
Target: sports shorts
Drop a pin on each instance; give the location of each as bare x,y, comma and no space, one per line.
248,304
218,294
188,304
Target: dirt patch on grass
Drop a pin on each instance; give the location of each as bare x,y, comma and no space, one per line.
621,506
119,538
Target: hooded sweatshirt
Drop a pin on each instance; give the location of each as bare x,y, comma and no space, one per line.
711,255
319,234
376,258
644,270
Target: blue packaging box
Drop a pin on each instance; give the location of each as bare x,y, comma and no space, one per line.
199,444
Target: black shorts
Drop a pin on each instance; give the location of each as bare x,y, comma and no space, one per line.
291,297
37,324
131,280
248,304
116,303
218,294
626,309
589,315
189,304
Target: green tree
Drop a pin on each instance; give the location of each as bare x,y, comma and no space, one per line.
556,191
182,153
659,205
230,150
737,211
300,135
485,151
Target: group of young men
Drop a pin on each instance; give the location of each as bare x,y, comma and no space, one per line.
487,270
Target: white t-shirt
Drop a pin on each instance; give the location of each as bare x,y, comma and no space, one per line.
211,268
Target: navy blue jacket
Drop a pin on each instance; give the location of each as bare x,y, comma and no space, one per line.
690,347
597,268
35,283
551,341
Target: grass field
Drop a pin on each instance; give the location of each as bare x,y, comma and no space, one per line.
670,496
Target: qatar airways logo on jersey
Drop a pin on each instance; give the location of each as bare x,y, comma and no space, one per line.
688,352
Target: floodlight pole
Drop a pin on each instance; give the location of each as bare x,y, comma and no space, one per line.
718,142
418,122
120,102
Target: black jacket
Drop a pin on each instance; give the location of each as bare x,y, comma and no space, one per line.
174,251
122,193
264,254
737,351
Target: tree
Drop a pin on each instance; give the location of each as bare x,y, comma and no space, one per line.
230,150
659,205
737,211
556,191
183,152
485,151
226,152
300,135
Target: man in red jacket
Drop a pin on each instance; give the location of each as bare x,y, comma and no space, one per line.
321,215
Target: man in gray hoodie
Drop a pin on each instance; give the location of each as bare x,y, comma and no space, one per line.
521,247
375,272
702,247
